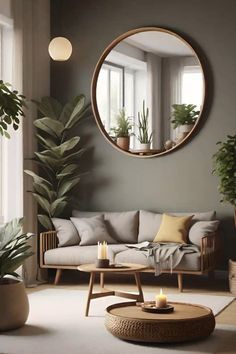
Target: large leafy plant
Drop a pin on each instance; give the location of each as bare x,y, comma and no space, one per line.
143,135
184,114
14,247
11,108
55,187
123,127
224,161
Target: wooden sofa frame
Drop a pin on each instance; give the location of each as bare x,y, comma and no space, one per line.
209,257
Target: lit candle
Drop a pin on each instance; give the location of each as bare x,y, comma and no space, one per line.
100,255
161,300
102,250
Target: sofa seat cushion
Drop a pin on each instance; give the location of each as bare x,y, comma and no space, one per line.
76,255
122,226
189,261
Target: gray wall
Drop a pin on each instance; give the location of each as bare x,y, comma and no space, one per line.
180,181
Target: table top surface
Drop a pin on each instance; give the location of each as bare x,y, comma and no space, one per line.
182,311
126,268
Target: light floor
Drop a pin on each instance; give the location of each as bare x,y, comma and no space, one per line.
192,284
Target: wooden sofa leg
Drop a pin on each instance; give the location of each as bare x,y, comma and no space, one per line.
180,282
57,276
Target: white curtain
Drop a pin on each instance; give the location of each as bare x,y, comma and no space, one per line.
171,88
154,98
31,76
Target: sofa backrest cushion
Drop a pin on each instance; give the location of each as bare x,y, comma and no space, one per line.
92,230
149,222
122,226
66,232
201,229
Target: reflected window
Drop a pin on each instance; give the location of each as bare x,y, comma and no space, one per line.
192,86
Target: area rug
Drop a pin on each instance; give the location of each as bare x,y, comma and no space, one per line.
57,325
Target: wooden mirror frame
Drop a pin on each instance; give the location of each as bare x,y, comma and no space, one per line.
94,87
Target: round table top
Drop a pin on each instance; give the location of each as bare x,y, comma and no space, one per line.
182,311
126,268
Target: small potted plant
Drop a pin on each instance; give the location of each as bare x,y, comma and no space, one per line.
123,129
224,162
14,249
11,108
184,117
144,137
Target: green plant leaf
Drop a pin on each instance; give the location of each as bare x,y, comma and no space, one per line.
38,179
45,221
68,170
57,206
43,202
49,107
76,107
66,146
66,186
52,127
44,191
46,142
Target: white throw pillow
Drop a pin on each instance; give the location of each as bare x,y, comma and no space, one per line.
91,230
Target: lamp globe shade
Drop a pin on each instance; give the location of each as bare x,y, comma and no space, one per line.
60,49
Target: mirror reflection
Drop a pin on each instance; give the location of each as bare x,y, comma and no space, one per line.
149,92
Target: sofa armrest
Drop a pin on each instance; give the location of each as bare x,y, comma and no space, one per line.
209,251
47,241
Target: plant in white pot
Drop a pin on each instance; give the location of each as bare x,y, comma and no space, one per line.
184,118
122,131
14,250
144,137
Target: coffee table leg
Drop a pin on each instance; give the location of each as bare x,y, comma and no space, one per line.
102,280
138,283
91,282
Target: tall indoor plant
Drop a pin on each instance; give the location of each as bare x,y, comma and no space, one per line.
224,162
122,131
11,108
14,250
55,187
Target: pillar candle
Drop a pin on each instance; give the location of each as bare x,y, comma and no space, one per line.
161,300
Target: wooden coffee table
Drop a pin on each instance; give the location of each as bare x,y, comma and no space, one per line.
188,322
127,268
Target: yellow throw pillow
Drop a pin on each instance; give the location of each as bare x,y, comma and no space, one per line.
173,229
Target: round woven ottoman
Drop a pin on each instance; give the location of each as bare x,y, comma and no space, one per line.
187,323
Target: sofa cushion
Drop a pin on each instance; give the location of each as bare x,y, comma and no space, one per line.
77,255
173,229
66,232
92,230
201,229
189,261
122,226
150,222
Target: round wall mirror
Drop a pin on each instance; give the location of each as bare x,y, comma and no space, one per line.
148,91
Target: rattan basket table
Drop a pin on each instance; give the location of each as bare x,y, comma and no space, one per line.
188,322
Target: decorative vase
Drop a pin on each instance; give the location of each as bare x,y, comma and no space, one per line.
144,146
185,128
123,142
14,304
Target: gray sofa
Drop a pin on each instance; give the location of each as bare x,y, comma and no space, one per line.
59,251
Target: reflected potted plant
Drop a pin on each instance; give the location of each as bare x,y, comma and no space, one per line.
14,250
184,117
144,137
224,162
122,131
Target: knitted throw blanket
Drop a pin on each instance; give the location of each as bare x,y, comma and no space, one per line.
164,255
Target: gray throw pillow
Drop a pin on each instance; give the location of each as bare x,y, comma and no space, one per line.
66,232
201,229
149,224
92,230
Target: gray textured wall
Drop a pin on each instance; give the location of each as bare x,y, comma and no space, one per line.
180,181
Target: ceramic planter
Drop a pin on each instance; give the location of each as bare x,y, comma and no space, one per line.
145,147
14,304
186,128
123,143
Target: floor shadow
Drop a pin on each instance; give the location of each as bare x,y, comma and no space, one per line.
28,331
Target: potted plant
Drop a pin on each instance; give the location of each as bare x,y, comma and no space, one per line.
11,108
224,162
185,116
55,188
123,129
14,249
143,132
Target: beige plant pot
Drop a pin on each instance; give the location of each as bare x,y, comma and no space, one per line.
14,304
186,128
123,143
